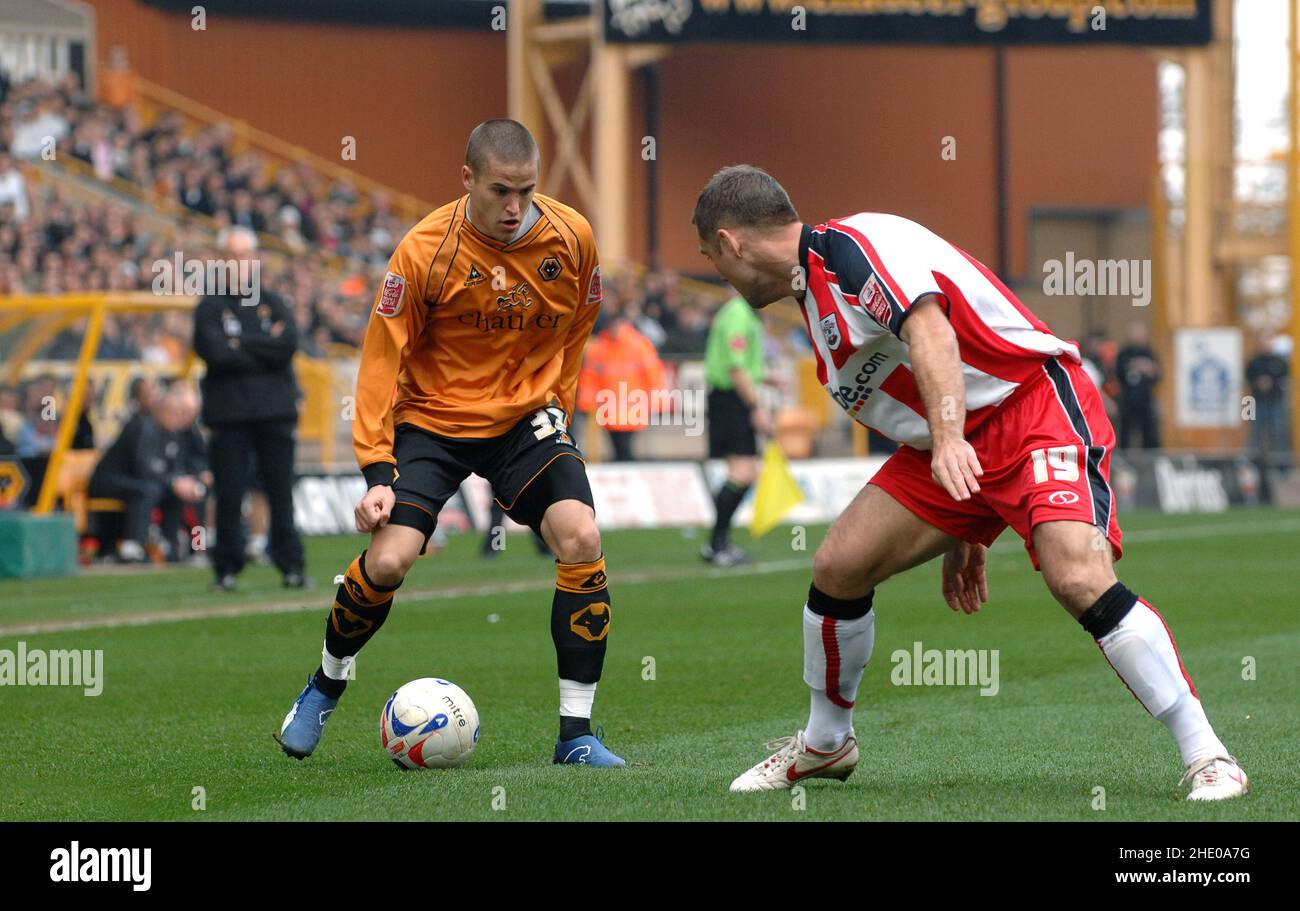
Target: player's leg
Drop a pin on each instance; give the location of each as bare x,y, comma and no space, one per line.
580,621
541,481
229,449
171,522
876,537
274,441
1151,426
1076,562
361,605
731,437
1066,512
429,472
742,472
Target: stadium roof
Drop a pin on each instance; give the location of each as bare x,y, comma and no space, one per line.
43,16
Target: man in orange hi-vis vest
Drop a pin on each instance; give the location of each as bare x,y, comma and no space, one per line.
620,376
470,364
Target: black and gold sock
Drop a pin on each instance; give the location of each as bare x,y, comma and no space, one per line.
360,608
580,620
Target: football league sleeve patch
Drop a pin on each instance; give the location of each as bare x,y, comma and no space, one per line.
389,302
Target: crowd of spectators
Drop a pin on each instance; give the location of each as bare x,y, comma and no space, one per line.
335,244
28,418
337,239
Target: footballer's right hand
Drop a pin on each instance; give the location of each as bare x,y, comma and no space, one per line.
373,510
955,466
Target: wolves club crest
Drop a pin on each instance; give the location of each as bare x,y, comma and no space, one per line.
550,269
590,622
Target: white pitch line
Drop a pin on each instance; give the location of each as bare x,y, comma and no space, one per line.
1210,531
213,612
177,615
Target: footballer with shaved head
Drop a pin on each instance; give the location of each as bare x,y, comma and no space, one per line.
470,364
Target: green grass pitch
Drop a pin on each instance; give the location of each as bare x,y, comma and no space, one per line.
191,696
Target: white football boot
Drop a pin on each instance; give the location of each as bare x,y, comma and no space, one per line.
1216,778
794,761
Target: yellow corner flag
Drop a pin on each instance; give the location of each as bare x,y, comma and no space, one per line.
778,492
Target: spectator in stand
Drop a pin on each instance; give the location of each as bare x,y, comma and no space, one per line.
1138,372
114,345
14,426
118,86
142,394
13,191
243,213
1093,349
646,325
690,332
41,406
157,462
39,126
1268,375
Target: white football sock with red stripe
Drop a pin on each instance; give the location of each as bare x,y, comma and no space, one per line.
1141,650
835,652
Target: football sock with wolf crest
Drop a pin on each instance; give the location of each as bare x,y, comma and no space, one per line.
580,617
360,608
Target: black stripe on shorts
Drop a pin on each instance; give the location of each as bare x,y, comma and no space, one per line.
1101,494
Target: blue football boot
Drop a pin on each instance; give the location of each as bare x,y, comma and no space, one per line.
587,749
302,727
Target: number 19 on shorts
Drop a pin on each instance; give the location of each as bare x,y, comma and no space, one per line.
1062,462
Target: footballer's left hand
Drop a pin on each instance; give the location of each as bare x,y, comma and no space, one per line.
965,587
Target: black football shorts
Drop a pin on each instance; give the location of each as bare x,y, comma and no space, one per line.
731,428
531,466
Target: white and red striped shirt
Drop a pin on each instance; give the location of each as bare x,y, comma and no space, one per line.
863,274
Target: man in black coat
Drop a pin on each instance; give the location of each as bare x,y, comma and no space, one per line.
156,462
250,406
1138,372
1268,375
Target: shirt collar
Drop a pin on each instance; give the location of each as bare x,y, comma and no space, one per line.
805,239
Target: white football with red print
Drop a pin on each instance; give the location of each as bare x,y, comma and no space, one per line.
429,723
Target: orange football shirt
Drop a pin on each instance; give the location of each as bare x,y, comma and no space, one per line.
469,335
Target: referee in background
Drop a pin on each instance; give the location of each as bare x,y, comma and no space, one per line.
733,365
250,404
